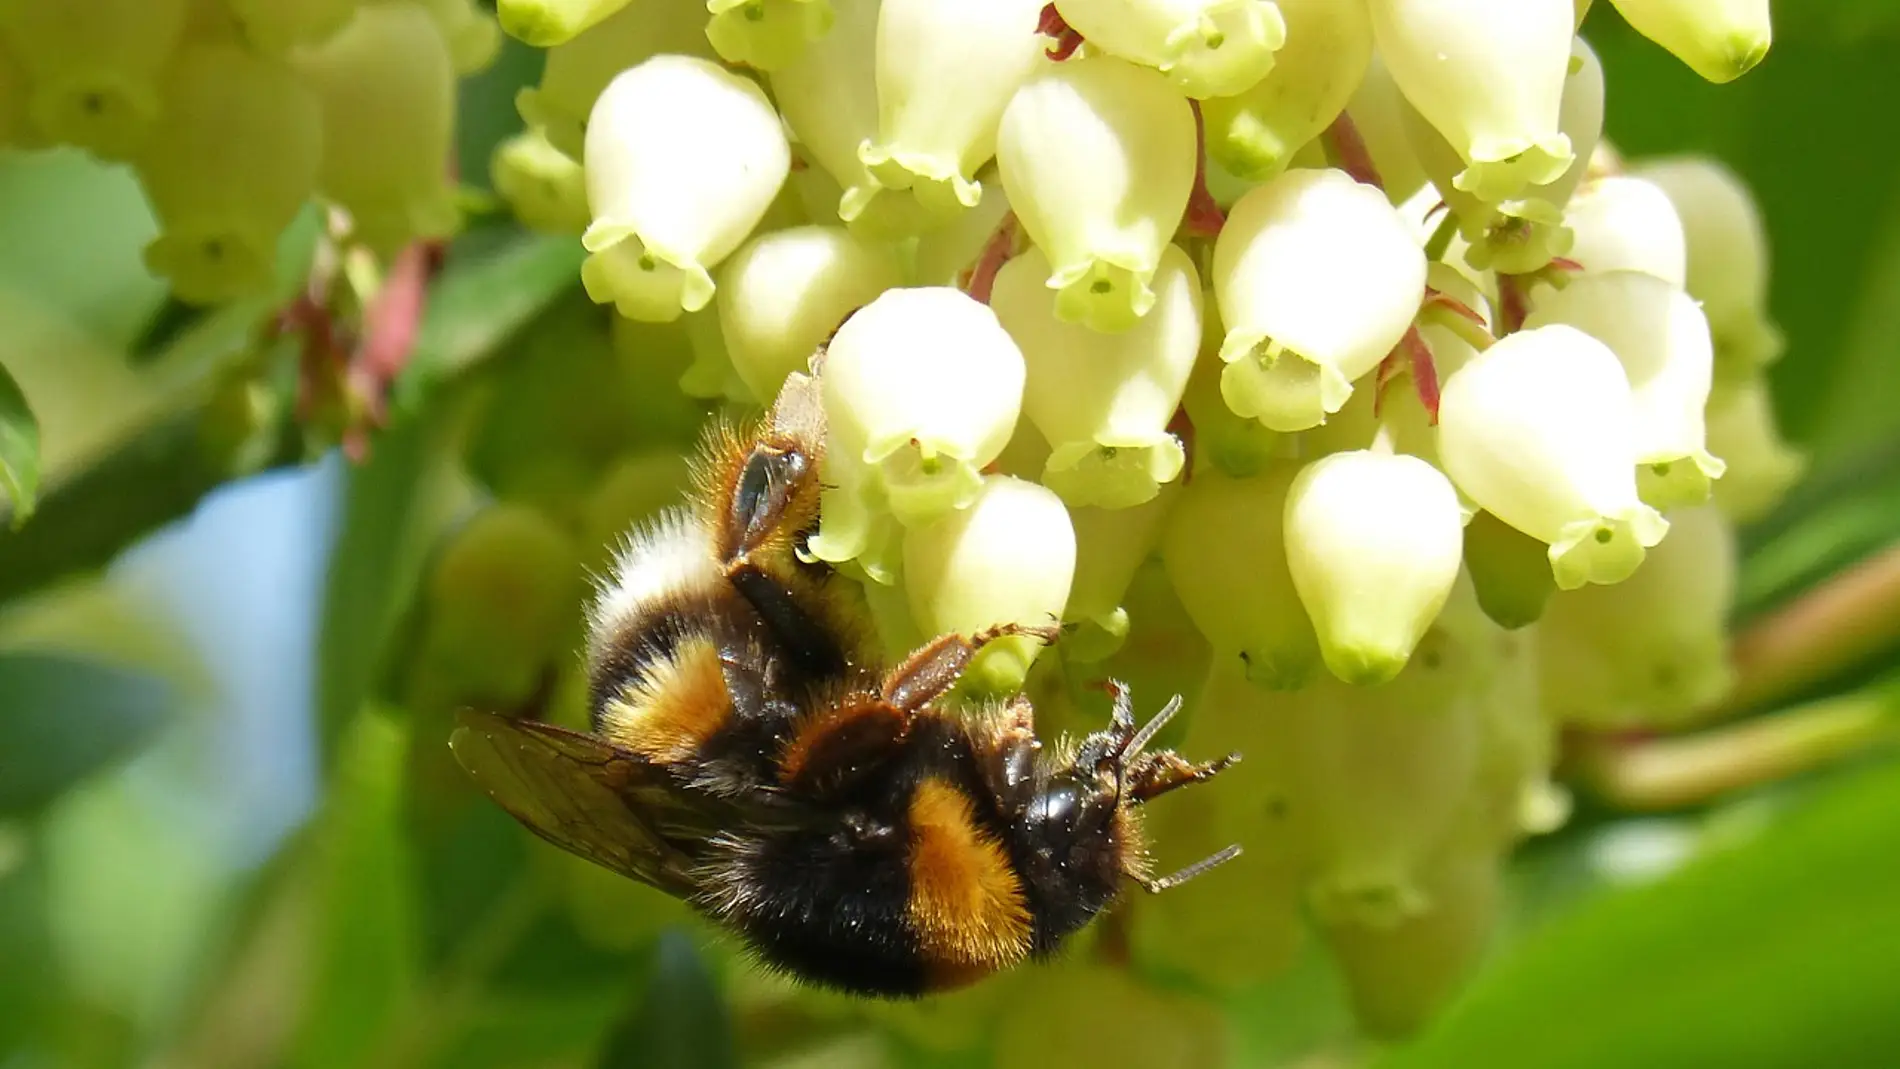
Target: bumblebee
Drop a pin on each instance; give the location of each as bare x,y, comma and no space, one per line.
751,754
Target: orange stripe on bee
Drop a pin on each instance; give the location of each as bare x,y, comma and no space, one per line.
966,903
674,707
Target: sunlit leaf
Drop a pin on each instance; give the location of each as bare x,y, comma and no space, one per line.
19,449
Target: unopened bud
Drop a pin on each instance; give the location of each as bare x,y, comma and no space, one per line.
1111,545
1510,571
784,292
576,71
1761,464
1209,48
551,23
1719,39
94,68
766,34
543,186
1255,134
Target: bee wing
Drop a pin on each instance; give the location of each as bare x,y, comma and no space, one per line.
580,793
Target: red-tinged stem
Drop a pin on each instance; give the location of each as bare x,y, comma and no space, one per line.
1052,24
1445,300
1424,370
1350,153
1203,217
1514,304
996,252
391,323
1182,427
1565,263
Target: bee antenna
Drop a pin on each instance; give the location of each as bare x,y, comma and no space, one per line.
1140,740
1175,879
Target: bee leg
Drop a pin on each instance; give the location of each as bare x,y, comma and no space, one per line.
839,744
1155,774
930,671
803,637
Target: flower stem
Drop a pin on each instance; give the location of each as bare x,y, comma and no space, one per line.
1203,217
1671,773
1833,627
996,252
1348,151
1513,304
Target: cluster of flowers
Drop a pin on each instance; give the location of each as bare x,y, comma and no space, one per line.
237,113
1317,357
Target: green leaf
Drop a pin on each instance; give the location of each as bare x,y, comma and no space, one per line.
682,1023
1773,952
19,449
63,719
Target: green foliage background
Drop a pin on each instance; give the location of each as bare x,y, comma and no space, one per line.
404,926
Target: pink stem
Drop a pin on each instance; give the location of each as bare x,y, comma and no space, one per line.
995,254
1203,217
1350,150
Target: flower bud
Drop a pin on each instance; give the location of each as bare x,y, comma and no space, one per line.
93,69
578,70
1516,796
1226,554
1098,158
1510,571
924,386
543,186
234,159
1653,648
670,202
1728,259
1399,976
711,376
1317,278
1359,785
1373,543
1621,223
1255,134
1008,558
1377,109
1231,443
765,34
1111,545
274,27
1719,39
386,85
551,23
1209,48
474,37
1540,430
1662,340
1489,76
1104,401
944,74
785,291
1761,464
828,95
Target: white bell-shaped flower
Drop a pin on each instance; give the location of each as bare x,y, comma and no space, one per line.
828,96
1209,48
1761,464
1728,258
1489,76
93,69
1111,546
670,202
1661,337
576,71
1373,543
1540,431
766,34
1378,111
784,292
1008,558
274,27
944,74
925,386
234,160
1103,401
1328,47
386,84
1317,277
1241,597
1653,648
1098,158
552,23
1624,223
1719,39
543,186
1522,234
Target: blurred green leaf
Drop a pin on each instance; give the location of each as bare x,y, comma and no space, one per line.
19,449
365,972
682,1023
1776,951
63,719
